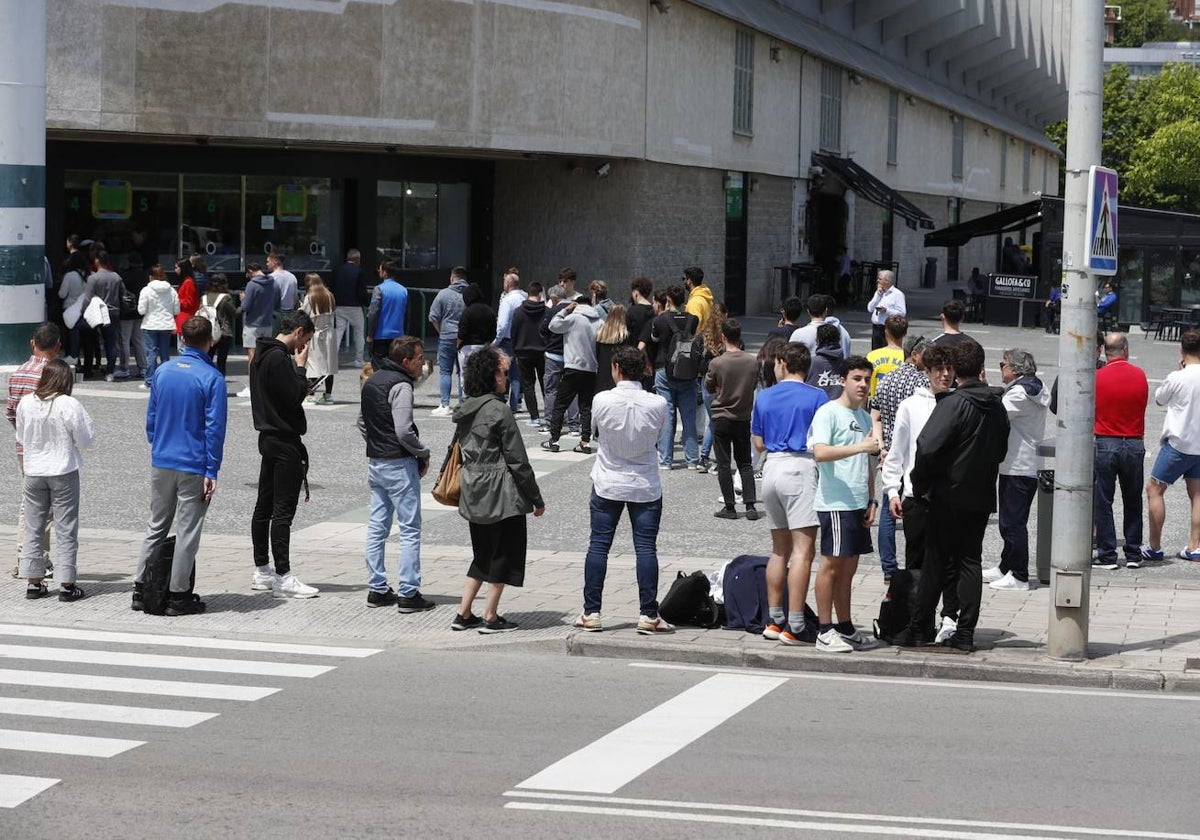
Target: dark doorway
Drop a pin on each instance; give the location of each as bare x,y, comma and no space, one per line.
828,235
735,241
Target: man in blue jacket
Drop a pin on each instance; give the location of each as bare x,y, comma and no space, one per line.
387,311
185,425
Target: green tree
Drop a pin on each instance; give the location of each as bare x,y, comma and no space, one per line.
1149,20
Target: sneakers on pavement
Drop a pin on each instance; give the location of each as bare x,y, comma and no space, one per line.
726,513
465,622
381,599
414,603
1185,554
186,603
245,392
499,624
992,574
831,641
666,467
753,514
583,448
772,632
289,586
138,604
1133,561
792,638
590,622
1105,563
35,591
70,592
264,579
704,467
1008,583
535,424
550,445
648,626
858,641
1152,555
949,628
441,411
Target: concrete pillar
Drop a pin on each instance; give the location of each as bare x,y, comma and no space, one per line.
22,174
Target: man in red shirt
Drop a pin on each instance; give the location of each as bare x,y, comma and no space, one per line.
1121,396
45,345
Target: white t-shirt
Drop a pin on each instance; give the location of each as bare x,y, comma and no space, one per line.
1180,393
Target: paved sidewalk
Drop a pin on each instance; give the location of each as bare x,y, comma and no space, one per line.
1143,631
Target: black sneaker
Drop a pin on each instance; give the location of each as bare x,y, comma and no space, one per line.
962,640
1134,562
381,599
465,622
414,603
499,624
1109,563
37,591
550,445
184,604
139,599
753,513
70,593
726,513
704,467
583,448
908,638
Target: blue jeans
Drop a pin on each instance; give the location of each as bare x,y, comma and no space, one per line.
680,394
395,488
707,443
887,539
514,374
1120,460
644,517
447,362
1016,494
158,349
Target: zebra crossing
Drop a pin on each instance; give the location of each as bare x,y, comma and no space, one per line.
33,689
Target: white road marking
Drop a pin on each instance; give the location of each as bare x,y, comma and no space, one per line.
879,818
16,789
107,393
152,660
62,710
609,763
132,685
38,632
960,685
48,742
797,825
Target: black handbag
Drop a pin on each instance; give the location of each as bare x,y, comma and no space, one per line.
129,304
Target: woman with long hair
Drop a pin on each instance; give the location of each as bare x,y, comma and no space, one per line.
158,304
322,349
476,325
75,272
189,295
613,333
714,345
53,428
199,273
498,489
218,297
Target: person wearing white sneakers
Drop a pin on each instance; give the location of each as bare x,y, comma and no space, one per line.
1027,402
277,391
629,421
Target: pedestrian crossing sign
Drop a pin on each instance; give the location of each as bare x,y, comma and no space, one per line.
1102,221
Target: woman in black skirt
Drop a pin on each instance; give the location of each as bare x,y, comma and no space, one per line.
498,489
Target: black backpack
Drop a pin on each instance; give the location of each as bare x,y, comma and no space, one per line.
688,602
156,581
899,603
685,351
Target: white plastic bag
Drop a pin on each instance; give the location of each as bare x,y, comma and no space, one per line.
96,313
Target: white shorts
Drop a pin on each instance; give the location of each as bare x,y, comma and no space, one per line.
250,335
789,490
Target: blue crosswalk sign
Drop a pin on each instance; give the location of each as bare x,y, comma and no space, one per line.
1101,250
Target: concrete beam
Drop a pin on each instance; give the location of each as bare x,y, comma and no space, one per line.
927,14
950,26
988,29
828,6
999,46
867,12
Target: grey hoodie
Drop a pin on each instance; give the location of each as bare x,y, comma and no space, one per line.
578,329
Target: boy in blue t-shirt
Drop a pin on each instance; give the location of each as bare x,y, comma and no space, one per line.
842,440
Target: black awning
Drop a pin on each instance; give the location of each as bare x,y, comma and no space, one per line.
1002,221
874,190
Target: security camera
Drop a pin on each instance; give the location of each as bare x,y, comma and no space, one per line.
603,169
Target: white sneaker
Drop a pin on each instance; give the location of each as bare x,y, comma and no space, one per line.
71,360
1009,583
263,581
442,411
992,574
647,626
949,628
245,392
858,641
831,641
590,622
289,586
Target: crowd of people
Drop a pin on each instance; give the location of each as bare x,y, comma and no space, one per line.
840,442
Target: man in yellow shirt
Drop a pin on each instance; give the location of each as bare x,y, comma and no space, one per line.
889,357
700,297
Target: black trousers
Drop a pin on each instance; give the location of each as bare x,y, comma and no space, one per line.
575,383
733,437
532,368
380,348
916,520
280,476
220,352
953,554
878,339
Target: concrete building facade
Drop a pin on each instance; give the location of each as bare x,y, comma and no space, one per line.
620,137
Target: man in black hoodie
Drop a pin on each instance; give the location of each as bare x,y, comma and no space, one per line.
956,465
530,347
277,390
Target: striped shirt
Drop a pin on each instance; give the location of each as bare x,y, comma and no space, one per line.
23,381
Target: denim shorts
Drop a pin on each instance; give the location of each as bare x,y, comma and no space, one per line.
1171,465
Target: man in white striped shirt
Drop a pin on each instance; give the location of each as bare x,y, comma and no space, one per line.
628,422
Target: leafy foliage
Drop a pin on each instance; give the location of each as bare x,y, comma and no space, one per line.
1149,20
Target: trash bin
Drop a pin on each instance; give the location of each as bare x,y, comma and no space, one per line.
1045,526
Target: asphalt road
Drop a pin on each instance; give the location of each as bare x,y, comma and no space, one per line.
520,744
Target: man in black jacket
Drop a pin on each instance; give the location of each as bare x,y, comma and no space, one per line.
277,391
957,462
349,287
530,347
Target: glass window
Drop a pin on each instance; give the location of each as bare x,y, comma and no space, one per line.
1189,291
831,107
1130,285
454,225
743,82
128,211
956,151
1163,290
407,223
893,136
211,221
300,218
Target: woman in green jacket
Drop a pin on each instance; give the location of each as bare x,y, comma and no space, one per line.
498,489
